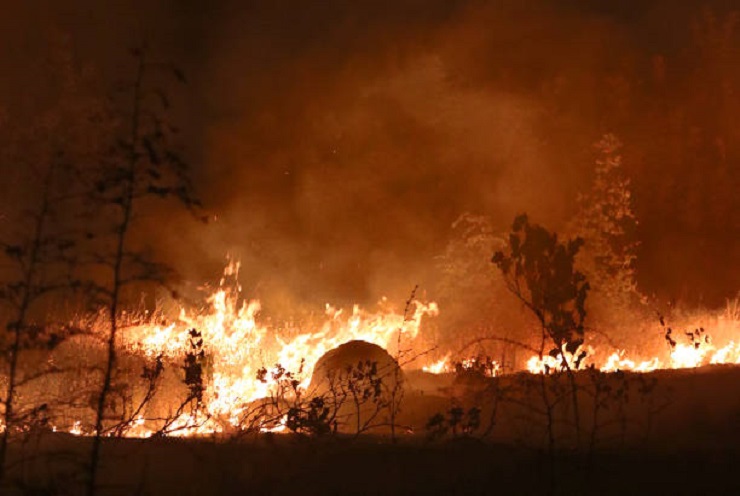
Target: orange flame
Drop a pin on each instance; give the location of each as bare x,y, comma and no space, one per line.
238,345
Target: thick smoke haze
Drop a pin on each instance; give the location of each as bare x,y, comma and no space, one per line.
336,142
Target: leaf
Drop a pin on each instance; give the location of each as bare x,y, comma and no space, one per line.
159,191
580,358
519,222
179,75
572,346
162,98
14,251
151,151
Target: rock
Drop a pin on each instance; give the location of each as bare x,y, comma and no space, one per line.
355,356
360,382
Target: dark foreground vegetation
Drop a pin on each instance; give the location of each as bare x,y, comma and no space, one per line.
290,465
285,464
692,449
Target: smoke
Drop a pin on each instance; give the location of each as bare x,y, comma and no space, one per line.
341,150
336,142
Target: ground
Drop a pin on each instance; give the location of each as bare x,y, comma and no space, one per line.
288,465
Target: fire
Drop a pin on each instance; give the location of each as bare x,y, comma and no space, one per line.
727,354
683,356
693,354
238,344
438,367
616,361
540,365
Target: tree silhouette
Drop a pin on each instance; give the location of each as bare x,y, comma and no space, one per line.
143,164
40,252
539,270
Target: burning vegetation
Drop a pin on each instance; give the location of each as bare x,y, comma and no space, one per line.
549,345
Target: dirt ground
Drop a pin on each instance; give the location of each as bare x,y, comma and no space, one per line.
288,465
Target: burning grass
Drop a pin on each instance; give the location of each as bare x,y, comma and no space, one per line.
222,373
211,371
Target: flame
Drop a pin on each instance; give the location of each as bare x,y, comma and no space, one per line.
727,354
681,356
438,367
616,361
541,365
76,428
238,344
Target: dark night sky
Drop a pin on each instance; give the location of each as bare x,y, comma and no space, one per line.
337,141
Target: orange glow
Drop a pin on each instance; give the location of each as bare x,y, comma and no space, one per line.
438,367
237,345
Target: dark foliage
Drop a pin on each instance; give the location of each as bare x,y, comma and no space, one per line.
539,271
193,366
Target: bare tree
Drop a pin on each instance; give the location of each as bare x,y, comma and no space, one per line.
33,258
142,165
41,247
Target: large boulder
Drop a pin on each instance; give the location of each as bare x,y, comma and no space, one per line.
353,356
361,383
